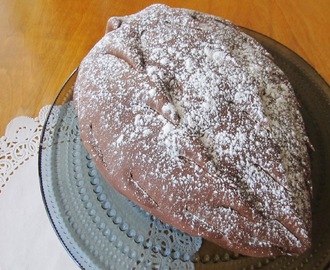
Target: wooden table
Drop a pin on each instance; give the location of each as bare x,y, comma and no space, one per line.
42,42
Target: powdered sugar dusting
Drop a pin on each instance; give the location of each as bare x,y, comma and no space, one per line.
199,116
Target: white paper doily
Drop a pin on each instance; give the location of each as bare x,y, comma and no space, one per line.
19,144
27,238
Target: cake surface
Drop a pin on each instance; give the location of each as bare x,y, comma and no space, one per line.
190,118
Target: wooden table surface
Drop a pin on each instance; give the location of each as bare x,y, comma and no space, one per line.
42,42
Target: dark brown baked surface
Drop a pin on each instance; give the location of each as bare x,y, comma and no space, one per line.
190,118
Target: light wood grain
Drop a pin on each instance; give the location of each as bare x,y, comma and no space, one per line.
43,41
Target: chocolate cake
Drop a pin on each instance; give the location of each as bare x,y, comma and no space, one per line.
190,118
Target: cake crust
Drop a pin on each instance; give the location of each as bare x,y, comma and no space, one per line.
191,119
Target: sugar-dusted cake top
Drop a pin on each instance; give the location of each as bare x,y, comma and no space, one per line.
191,119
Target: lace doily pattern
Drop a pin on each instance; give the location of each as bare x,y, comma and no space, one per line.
99,227
20,143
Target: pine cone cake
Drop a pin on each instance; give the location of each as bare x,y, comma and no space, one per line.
190,118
